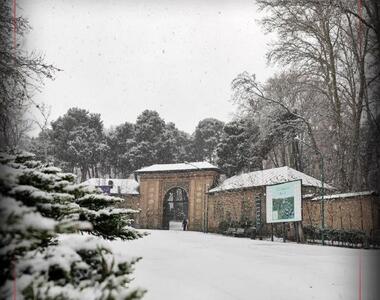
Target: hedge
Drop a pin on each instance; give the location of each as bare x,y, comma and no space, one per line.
339,237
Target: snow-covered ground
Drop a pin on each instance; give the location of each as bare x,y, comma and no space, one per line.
193,265
175,225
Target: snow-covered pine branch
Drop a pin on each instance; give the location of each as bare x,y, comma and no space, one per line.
42,212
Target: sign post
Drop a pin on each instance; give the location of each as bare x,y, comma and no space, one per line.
284,203
271,232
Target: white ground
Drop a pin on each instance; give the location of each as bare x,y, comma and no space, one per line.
174,225
193,265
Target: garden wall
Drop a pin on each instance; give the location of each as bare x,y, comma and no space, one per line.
238,206
358,211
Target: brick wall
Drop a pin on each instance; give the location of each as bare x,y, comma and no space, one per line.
236,205
359,212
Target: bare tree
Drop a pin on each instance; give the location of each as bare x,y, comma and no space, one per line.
322,42
284,107
21,75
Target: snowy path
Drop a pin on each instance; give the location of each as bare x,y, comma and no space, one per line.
193,265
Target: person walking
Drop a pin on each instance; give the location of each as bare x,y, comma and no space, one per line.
184,224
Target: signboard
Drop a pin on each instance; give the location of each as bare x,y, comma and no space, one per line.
283,202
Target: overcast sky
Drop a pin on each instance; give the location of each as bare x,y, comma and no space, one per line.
120,57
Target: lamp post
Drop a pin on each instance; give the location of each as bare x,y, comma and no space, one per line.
322,188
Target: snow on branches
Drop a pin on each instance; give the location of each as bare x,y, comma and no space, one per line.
50,235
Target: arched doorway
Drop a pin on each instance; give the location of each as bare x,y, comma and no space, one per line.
176,207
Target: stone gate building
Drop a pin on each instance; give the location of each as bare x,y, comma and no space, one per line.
160,182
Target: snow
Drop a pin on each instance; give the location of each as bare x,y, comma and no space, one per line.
345,195
9,176
10,206
44,178
120,186
31,192
112,211
28,218
99,197
61,255
25,155
62,197
193,265
6,157
36,221
175,225
66,255
67,187
50,169
82,242
190,166
267,177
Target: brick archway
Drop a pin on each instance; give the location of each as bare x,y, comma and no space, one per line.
168,185
175,206
154,185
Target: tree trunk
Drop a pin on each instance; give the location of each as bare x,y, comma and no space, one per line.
96,171
83,171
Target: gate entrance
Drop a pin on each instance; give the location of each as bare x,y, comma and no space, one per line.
176,207
171,192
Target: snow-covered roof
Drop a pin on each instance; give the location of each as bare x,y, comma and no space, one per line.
267,177
187,166
345,195
127,186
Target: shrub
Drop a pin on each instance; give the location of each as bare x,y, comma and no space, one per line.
343,237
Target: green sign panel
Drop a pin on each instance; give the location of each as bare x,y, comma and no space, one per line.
283,202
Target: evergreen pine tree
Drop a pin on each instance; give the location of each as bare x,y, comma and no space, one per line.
49,228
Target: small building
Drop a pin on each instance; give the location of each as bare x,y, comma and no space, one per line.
115,186
234,200
128,189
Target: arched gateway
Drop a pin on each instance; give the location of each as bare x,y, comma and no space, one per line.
176,208
170,192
